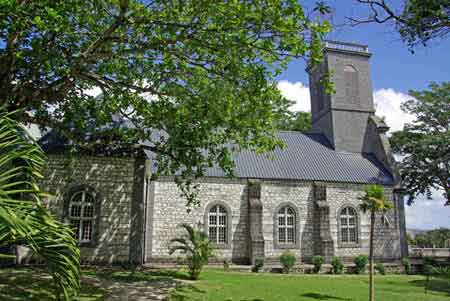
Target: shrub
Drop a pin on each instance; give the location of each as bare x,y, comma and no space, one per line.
317,262
226,265
197,247
338,266
287,260
360,261
259,264
406,265
379,267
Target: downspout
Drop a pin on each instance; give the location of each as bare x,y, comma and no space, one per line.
147,176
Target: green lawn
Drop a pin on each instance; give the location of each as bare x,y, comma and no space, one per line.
232,286
217,285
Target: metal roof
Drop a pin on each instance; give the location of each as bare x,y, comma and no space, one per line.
307,157
304,157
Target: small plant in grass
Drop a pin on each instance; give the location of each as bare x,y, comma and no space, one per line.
197,247
337,264
317,262
226,265
379,267
406,262
360,261
259,264
287,260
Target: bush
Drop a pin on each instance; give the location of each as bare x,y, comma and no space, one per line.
226,265
360,261
338,266
287,260
259,264
317,262
379,267
406,265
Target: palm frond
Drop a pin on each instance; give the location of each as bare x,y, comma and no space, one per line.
23,219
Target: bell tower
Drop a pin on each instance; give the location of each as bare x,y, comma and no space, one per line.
343,116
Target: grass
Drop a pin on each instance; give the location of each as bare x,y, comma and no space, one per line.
36,285
230,286
218,285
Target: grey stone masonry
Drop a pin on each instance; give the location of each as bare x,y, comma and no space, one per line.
113,181
169,211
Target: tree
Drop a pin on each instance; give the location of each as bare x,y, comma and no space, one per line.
417,21
23,218
201,72
424,144
373,201
296,121
437,238
197,247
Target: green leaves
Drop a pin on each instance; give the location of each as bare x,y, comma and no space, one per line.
23,219
197,247
374,200
424,143
202,72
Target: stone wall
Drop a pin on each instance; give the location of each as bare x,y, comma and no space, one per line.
113,180
169,210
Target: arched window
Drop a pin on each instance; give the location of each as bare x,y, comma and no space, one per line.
351,84
349,225
286,225
218,224
81,214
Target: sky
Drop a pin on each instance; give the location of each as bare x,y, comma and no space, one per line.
395,71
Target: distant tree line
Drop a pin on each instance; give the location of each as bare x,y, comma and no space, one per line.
438,238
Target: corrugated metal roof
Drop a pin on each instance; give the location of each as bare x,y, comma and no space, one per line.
307,157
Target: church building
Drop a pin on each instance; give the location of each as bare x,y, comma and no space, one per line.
304,198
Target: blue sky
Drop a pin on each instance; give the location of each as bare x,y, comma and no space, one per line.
395,70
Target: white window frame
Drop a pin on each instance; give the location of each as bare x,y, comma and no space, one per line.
81,218
221,217
345,214
284,215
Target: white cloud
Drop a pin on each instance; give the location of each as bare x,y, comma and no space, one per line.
387,103
428,214
297,92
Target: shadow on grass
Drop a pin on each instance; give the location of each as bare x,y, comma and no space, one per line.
316,296
136,276
436,284
183,293
36,285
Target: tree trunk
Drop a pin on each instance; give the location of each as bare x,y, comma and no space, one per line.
371,280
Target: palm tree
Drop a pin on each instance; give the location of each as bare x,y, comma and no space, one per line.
197,247
373,201
23,218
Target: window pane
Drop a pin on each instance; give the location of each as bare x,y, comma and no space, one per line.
222,235
88,211
282,235
86,230
290,235
290,220
213,234
222,210
281,221
75,225
75,211
212,220
344,236
213,209
352,235
222,220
